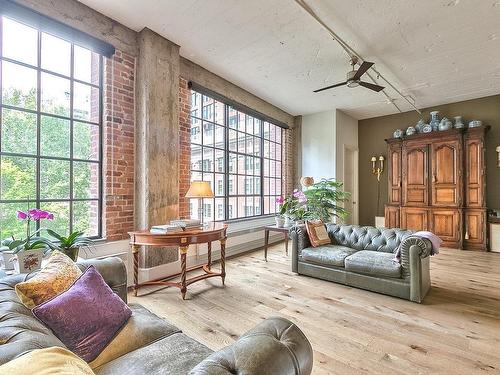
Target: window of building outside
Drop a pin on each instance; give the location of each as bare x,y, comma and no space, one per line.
240,155
50,131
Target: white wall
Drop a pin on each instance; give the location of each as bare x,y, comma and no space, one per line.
346,129
318,145
324,137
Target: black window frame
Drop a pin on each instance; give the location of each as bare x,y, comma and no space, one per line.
229,125
37,201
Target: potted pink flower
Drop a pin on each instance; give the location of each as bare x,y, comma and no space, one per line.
280,217
28,252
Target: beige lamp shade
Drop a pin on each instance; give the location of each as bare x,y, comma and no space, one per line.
200,189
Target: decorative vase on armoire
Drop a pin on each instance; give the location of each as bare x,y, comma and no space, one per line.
434,123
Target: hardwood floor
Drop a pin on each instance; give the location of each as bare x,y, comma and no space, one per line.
455,331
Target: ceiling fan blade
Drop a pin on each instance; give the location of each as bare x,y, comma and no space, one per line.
371,86
330,87
362,69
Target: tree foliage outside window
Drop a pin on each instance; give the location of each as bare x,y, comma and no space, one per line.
50,130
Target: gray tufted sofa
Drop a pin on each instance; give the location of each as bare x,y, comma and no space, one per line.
364,257
150,345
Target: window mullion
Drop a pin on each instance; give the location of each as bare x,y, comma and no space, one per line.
226,164
38,124
71,97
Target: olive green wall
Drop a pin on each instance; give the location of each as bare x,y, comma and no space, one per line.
373,132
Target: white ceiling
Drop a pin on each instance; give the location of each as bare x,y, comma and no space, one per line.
438,51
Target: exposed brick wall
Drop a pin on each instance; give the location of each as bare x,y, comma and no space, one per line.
184,146
119,124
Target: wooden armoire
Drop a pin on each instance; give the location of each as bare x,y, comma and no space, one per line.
437,182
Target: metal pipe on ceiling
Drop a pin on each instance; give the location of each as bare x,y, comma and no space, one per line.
351,52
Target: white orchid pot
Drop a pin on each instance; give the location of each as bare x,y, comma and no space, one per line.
5,260
28,261
288,222
280,221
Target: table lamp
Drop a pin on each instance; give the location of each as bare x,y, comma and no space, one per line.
200,190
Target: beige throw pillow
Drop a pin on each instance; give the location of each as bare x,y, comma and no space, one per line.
49,361
318,235
55,277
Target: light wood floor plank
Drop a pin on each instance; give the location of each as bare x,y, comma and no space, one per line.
455,331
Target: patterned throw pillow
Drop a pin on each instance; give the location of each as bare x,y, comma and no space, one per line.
55,277
317,233
87,316
48,361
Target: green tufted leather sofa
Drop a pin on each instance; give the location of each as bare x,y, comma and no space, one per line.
364,257
151,345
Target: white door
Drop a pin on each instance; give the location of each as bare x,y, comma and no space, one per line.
351,183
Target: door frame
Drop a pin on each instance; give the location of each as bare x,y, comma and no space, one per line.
355,193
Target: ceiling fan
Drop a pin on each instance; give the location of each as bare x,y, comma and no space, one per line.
354,77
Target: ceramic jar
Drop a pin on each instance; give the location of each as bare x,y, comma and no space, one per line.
427,128
411,130
420,126
475,123
458,123
445,124
398,133
434,123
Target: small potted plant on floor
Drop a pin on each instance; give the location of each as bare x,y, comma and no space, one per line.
28,252
71,244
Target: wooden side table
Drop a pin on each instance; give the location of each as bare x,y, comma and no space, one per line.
213,232
274,228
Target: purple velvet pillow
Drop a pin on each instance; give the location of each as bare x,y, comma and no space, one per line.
87,316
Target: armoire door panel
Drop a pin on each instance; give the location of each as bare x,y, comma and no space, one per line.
446,196
446,224
475,229
392,217
415,175
394,173
414,218
445,171
474,177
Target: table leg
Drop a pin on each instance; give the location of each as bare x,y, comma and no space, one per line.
266,242
209,254
183,251
286,243
223,259
135,252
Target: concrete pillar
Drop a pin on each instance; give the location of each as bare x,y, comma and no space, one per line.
157,135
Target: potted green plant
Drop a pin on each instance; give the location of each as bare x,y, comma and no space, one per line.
71,244
28,252
323,200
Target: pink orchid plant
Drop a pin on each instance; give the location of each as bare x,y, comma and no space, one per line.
293,205
32,241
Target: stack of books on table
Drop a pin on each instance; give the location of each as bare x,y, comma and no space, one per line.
186,223
166,228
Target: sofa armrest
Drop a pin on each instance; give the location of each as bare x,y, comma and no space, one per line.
415,265
300,240
113,272
276,346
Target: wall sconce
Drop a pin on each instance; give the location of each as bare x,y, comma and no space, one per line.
377,171
498,152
